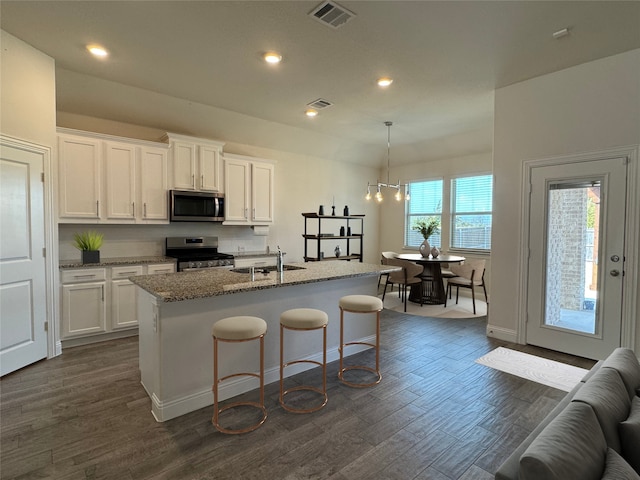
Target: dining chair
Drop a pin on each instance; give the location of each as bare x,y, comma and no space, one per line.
385,256
407,276
445,271
468,275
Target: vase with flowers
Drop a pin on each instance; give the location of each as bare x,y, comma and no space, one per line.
426,227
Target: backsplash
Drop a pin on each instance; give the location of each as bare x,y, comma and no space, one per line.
148,240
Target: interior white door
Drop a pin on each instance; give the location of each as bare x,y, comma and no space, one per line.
23,339
576,262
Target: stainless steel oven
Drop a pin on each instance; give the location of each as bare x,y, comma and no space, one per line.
196,253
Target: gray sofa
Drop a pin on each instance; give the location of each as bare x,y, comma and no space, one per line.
593,433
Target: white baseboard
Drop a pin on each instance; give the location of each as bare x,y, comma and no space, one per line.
163,411
100,337
506,334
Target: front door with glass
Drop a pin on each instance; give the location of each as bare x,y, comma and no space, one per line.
576,262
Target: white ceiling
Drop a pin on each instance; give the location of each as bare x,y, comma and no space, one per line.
446,58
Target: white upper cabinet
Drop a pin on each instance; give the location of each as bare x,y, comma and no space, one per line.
183,158
249,187
262,195
120,181
209,162
79,171
195,163
237,177
153,201
106,179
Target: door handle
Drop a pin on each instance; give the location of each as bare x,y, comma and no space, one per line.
614,273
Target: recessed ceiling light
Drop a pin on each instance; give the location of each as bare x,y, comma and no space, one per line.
385,81
97,51
310,112
272,57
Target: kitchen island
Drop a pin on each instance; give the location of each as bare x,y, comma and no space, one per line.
177,311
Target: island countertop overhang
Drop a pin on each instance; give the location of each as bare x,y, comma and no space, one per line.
181,286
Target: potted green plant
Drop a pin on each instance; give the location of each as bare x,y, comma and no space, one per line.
89,244
426,227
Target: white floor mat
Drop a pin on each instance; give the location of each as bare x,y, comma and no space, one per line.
547,372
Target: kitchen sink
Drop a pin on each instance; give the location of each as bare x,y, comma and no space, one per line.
271,268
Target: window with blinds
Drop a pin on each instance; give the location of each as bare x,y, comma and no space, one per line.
471,212
425,203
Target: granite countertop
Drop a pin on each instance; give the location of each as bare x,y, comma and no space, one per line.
176,287
114,261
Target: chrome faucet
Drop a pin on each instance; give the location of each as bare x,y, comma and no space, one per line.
280,260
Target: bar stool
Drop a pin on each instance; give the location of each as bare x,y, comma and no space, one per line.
360,304
304,319
236,330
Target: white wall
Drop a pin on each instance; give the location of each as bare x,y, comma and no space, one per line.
27,96
590,107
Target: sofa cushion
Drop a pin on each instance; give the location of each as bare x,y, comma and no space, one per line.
572,446
511,466
608,397
617,469
626,363
630,435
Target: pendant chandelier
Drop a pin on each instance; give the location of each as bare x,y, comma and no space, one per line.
398,187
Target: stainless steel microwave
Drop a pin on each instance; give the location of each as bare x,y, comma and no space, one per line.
187,206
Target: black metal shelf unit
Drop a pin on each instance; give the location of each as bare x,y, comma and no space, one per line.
349,222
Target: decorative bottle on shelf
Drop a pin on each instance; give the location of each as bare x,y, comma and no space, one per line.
345,212
435,252
337,251
342,231
321,210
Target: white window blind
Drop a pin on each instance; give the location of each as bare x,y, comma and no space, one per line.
425,203
471,212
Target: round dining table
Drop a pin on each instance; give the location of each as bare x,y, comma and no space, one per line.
431,290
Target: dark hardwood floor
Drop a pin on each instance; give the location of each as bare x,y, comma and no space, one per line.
435,415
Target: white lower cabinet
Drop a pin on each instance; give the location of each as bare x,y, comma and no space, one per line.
84,309
101,301
124,312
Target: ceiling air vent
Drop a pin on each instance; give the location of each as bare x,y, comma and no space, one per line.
332,14
319,104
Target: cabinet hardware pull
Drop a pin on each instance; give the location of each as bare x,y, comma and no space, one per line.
254,213
202,181
102,290
91,275
98,208
133,208
144,207
128,273
193,181
246,210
